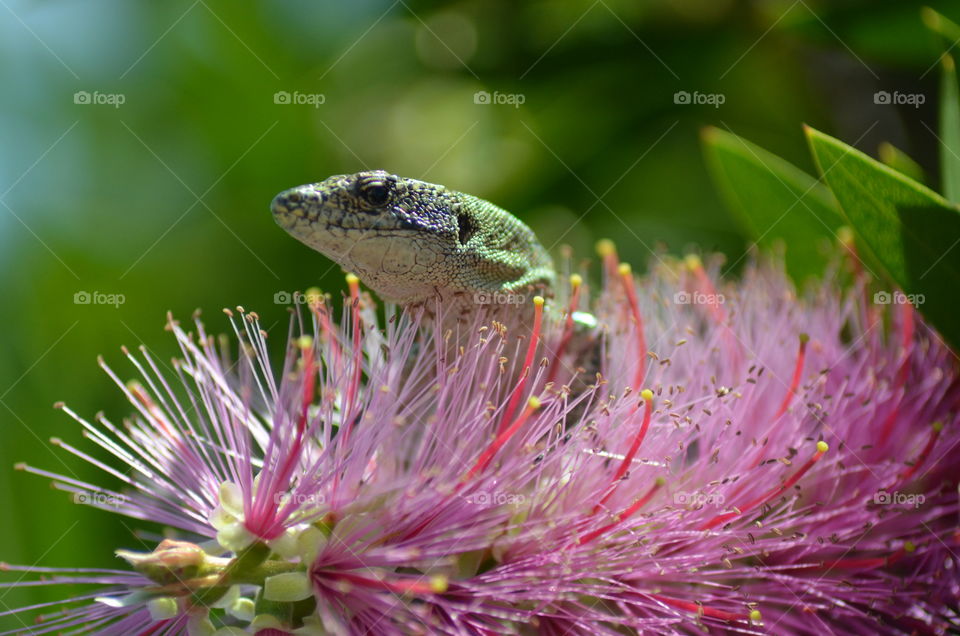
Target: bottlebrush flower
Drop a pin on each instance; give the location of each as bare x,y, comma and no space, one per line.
730,457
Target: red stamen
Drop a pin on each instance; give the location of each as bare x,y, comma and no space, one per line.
791,391
436,584
318,305
263,520
864,563
906,339
695,265
770,494
527,363
846,239
647,396
922,457
627,279
624,514
608,252
575,283
156,415
795,381
704,610
502,438
878,562
354,283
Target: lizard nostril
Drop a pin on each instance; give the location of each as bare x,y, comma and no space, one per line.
294,197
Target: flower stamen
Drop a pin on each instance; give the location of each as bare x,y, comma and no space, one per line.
647,396
626,513
502,438
903,371
576,281
538,303
626,277
705,610
822,448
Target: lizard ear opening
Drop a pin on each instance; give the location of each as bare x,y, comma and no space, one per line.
467,228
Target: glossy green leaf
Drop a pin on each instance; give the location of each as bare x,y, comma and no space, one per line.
941,25
900,161
949,130
773,199
902,227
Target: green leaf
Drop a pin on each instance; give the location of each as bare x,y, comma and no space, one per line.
908,230
949,129
773,199
941,25
900,161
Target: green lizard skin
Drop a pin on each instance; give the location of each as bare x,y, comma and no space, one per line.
411,241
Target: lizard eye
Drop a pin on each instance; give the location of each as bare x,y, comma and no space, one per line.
375,193
466,228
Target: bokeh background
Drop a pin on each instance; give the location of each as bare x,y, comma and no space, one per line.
143,142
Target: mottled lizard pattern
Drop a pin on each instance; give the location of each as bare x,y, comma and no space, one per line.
410,241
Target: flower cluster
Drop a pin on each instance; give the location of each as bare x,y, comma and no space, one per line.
693,455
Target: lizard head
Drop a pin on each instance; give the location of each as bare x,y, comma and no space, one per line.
409,240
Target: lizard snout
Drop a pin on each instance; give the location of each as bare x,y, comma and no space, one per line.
292,203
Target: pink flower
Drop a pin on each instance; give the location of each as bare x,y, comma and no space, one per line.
747,460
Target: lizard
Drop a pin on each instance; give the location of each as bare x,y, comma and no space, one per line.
411,241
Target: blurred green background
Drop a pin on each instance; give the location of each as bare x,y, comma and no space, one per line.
164,198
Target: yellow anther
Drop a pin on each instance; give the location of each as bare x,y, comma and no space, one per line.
845,235
439,583
605,247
